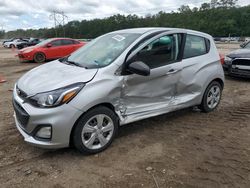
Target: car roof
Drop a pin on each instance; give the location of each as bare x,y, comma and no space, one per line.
156,29
61,38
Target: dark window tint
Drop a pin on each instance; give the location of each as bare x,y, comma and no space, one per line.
34,40
208,45
162,51
195,46
76,42
56,43
67,42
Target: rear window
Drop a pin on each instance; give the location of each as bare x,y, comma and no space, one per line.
195,46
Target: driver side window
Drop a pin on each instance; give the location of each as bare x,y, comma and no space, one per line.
160,52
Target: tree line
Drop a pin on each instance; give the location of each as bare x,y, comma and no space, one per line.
219,18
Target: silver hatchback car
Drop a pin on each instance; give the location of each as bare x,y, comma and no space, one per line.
118,78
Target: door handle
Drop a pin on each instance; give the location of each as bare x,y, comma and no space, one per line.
172,71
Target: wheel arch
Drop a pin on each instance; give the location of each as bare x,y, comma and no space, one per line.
39,52
108,105
219,80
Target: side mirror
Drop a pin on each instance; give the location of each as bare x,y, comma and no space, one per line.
140,68
49,45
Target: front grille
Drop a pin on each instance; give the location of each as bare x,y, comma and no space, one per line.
244,62
241,67
21,55
21,115
240,71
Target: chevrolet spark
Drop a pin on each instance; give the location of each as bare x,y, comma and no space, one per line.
118,78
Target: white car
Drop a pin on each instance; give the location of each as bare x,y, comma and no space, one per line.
14,43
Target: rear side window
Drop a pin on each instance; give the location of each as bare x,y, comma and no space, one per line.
56,43
67,42
195,46
76,42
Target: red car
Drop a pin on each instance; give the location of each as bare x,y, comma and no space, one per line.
53,48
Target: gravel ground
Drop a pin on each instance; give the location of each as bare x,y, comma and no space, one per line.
182,149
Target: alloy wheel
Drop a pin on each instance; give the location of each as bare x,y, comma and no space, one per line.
97,132
40,57
213,97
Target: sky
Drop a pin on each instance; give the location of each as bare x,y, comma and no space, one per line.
34,14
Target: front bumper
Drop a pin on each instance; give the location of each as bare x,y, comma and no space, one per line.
61,119
25,57
31,140
234,70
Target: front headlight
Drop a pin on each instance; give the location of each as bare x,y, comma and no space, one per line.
228,58
56,97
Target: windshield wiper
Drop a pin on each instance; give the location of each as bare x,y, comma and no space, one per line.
66,61
74,63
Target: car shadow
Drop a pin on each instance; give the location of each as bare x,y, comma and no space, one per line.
128,129
234,78
153,122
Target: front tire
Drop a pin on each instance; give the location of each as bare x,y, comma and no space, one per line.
39,57
95,130
212,97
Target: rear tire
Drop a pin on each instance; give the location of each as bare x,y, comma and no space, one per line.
39,57
211,97
95,130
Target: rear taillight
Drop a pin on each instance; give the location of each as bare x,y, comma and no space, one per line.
222,57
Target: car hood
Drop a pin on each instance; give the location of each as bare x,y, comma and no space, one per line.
52,76
27,48
240,53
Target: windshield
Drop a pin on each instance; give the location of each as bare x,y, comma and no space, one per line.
44,42
102,51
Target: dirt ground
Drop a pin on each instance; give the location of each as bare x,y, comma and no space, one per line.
183,149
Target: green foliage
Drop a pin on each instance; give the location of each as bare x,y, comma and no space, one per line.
205,6
218,19
226,3
184,9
